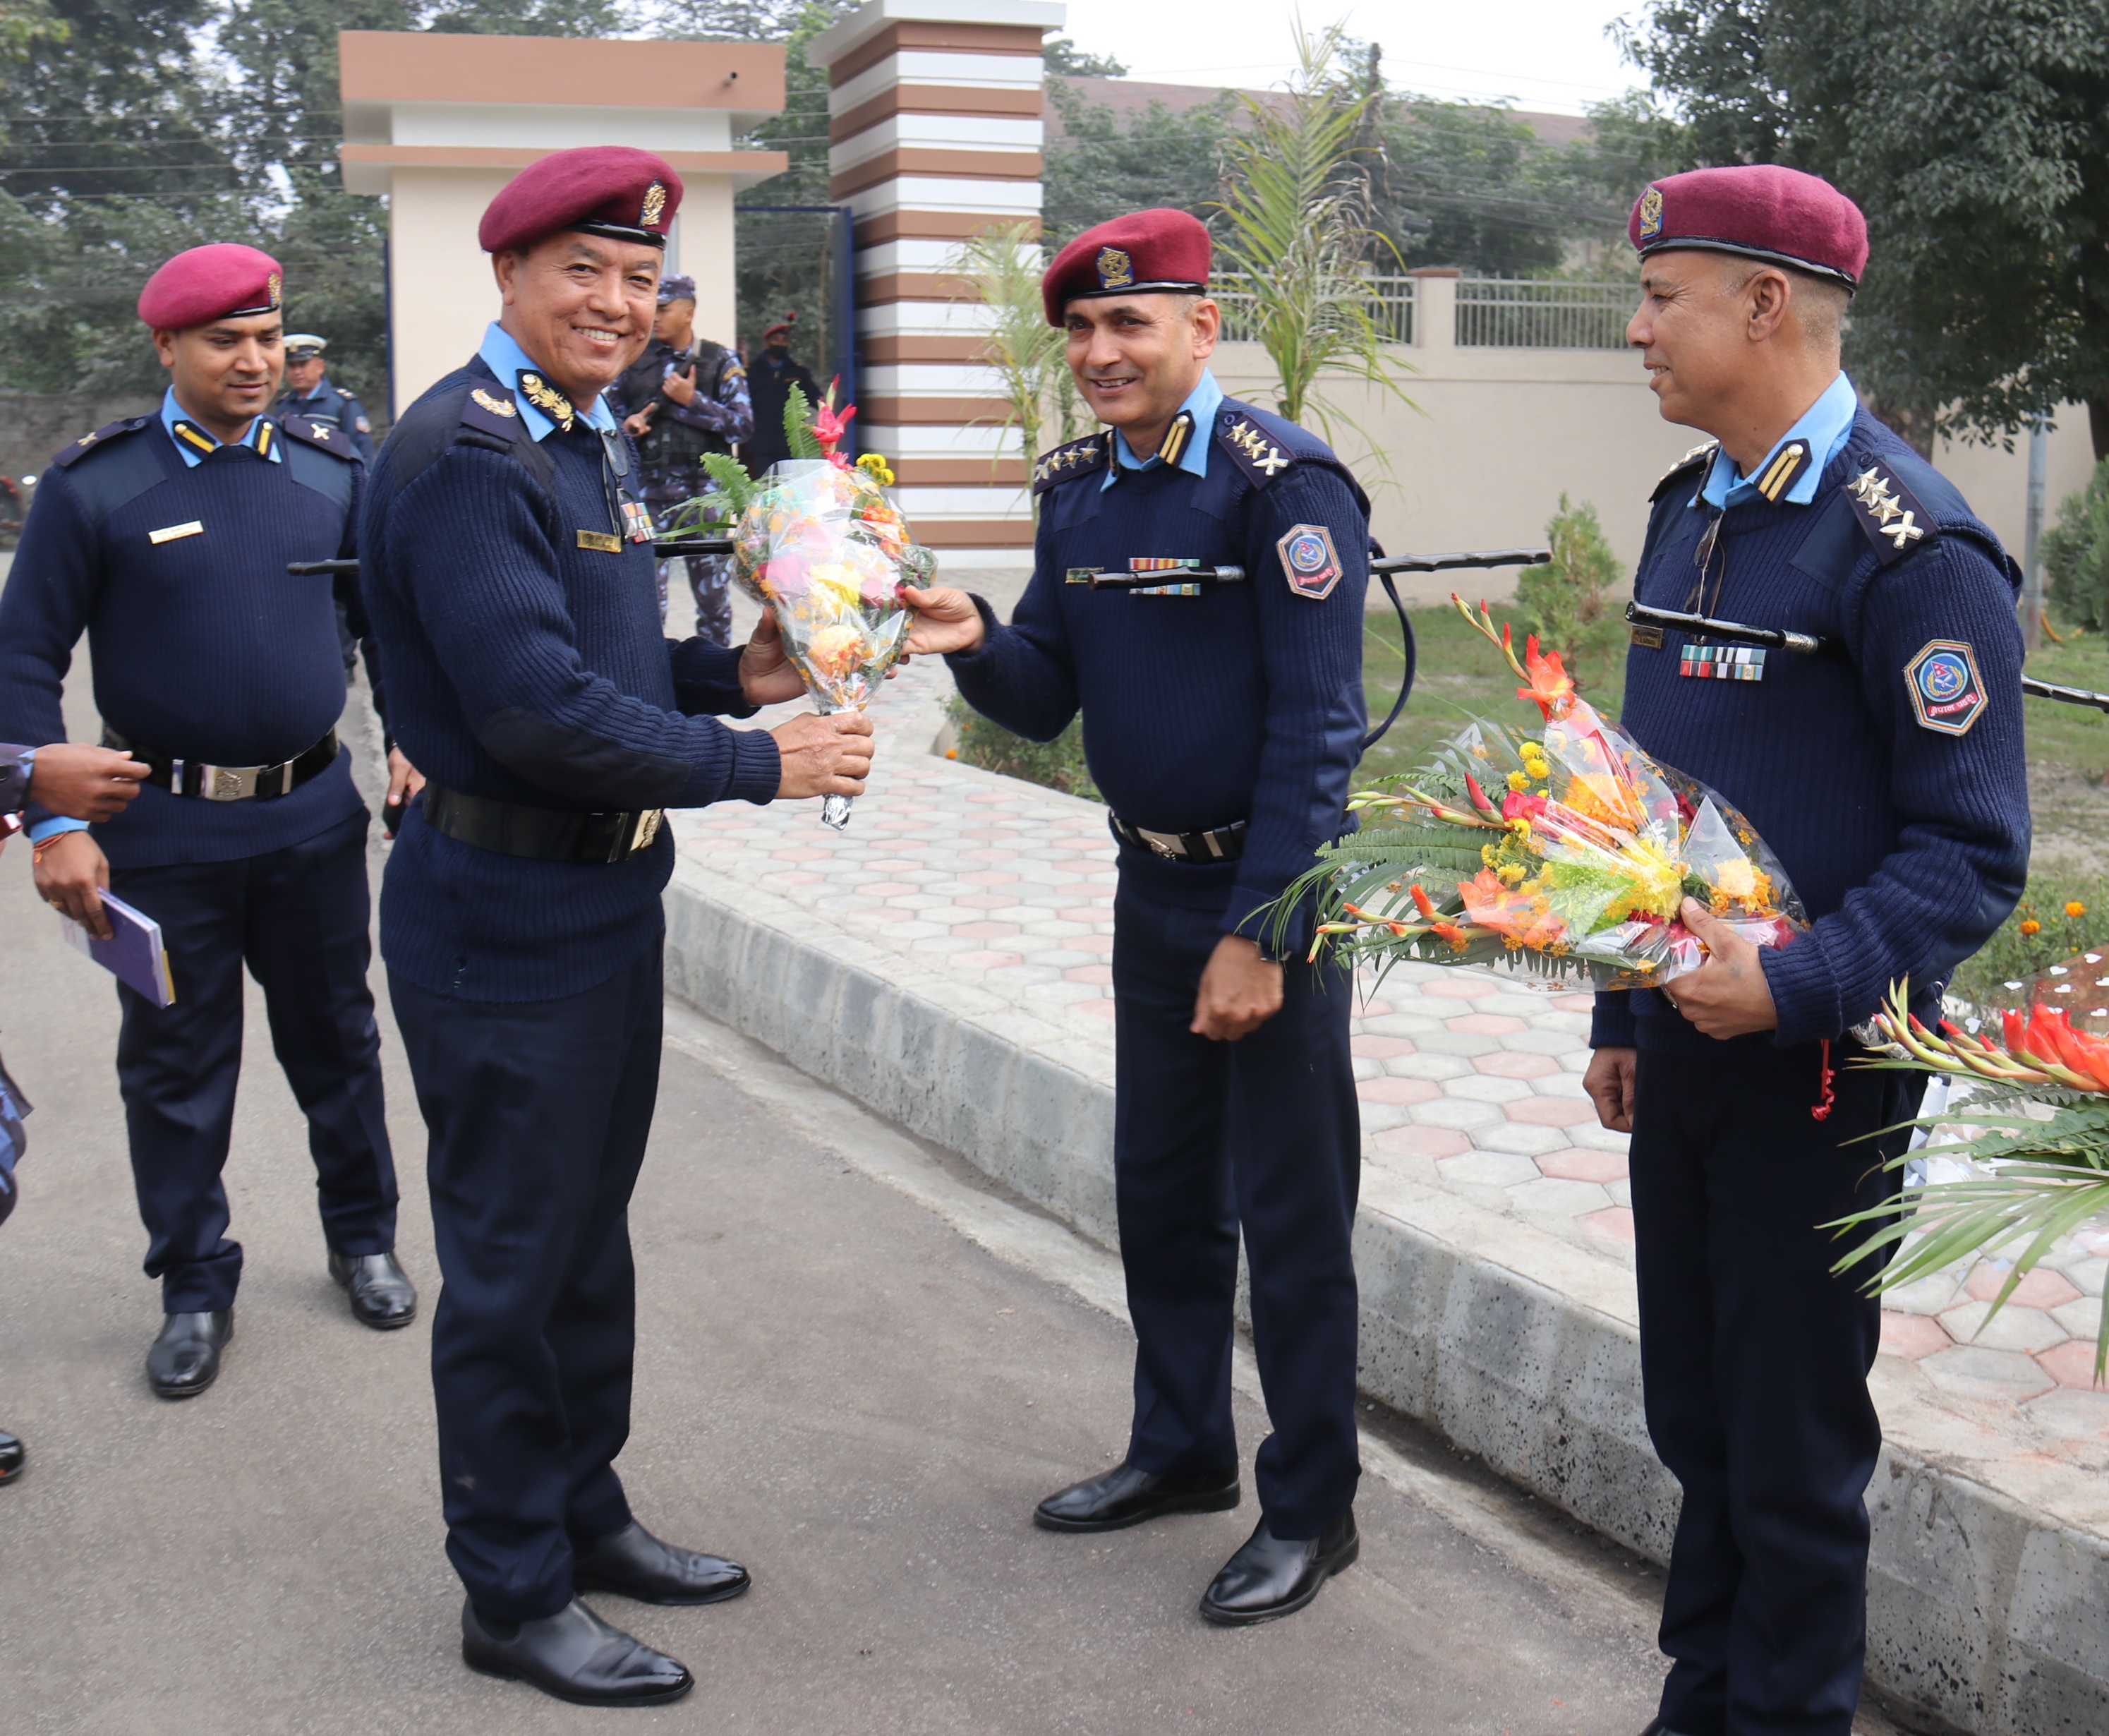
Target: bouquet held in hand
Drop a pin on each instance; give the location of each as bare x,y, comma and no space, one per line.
1561,853
817,542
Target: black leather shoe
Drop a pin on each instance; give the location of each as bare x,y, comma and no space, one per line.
1269,1577
13,1456
1128,1496
185,1359
636,1564
575,1656
382,1296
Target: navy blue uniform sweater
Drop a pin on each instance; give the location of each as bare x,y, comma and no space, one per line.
1243,702
202,646
1908,846
521,667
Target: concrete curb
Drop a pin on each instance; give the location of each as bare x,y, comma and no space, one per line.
1985,1616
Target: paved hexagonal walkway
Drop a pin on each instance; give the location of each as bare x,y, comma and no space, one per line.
1467,1081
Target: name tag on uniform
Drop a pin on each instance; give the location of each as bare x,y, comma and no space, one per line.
1722,663
600,542
174,532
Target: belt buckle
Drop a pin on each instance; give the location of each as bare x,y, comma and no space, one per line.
1170,848
645,830
228,783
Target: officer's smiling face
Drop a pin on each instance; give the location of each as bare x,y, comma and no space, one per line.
582,306
1692,329
1135,358
228,373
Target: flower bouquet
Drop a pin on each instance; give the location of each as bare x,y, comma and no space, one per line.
2036,1139
817,541
1565,853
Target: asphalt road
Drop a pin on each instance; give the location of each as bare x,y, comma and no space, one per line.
858,1369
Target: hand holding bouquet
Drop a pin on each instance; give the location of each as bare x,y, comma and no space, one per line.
1562,854
819,543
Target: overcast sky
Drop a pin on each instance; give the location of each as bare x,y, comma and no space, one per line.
1544,54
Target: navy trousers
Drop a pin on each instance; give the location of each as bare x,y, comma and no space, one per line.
1262,1134
1755,1359
538,1112
298,918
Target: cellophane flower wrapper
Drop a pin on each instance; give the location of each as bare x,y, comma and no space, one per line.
822,549
1556,855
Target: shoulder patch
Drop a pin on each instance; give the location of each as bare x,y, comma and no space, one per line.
335,441
1079,457
1309,561
1946,691
1255,451
1889,512
102,437
1703,451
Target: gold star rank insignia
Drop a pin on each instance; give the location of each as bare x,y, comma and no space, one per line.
1253,449
1888,513
1078,458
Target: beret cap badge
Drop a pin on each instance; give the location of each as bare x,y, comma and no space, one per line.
654,206
1651,214
1116,271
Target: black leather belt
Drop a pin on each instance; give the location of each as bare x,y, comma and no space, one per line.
546,834
1226,843
209,782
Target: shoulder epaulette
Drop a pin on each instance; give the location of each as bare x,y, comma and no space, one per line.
1888,513
102,437
490,410
1079,457
335,441
1252,448
1703,453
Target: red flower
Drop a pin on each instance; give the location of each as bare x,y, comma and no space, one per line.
1519,804
830,428
1551,686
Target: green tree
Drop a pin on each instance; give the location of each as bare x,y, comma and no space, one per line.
1104,164
999,269
1562,600
1972,132
1063,57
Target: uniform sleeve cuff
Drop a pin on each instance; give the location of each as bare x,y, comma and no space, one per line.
991,626
1611,1024
52,827
757,770
1805,992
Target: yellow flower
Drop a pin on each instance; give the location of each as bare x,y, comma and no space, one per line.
2032,927
1512,875
2075,909
877,468
1518,781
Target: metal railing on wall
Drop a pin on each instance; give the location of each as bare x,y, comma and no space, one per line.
1524,313
1392,303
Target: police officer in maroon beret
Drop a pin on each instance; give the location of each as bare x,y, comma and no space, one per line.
508,562
1222,719
1883,764
166,538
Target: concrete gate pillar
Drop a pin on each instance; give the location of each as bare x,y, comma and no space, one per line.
934,123
439,123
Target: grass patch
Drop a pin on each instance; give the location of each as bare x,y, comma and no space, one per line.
2059,916
1054,765
2075,737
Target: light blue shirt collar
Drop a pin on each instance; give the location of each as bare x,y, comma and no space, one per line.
504,357
172,412
1202,403
1821,431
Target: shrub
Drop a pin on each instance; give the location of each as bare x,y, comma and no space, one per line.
1563,600
2059,916
2076,555
1055,765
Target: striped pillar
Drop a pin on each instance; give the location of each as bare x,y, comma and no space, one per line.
934,125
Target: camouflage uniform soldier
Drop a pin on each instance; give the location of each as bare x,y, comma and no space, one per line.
684,397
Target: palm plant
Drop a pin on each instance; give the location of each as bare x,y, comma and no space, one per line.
1294,240
999,268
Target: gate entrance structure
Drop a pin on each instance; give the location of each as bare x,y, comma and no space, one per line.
439,123
935,132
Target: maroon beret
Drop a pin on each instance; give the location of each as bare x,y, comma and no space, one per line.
609,190
1143,251
223,281
1759,210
